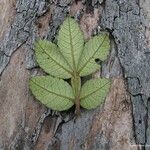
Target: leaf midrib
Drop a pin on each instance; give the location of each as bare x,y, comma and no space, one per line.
72,52
91,56
94,91
55,60
52,92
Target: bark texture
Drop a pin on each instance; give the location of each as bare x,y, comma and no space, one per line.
123,120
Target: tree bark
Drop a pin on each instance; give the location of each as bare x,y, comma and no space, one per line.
123,122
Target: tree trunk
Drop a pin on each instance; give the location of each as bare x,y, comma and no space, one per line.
122,123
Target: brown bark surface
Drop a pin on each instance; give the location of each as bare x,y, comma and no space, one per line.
121,122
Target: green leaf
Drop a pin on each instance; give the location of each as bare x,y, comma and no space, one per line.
70,59
93,92
95,48
52,92
71,41
50,59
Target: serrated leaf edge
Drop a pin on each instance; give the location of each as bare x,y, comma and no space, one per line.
94,91
55,60
91,56
52,92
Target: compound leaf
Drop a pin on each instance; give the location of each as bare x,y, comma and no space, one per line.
93,92
53,92
50,59
95,48
71,41
70,59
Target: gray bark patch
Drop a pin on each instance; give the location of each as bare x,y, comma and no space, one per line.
127,23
